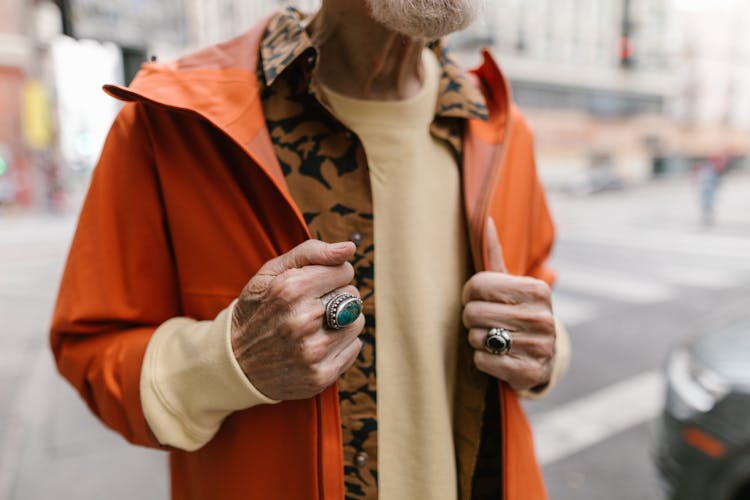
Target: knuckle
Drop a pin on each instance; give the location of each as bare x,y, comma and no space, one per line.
527,287
542,372
538,349
349,271
255,287
542,321
479,360
466,316
539,289
474,283
308,246
472,314
358,326
300,323
320,376
312,351
483,280
288,286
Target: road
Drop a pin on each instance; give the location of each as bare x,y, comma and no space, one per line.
638,275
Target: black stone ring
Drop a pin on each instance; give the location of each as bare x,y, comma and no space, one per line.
498,341
342,310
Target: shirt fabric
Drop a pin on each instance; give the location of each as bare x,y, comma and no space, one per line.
415,183
327,172
212,207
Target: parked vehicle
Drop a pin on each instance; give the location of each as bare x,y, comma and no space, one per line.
703,452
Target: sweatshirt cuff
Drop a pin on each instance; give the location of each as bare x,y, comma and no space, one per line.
191,381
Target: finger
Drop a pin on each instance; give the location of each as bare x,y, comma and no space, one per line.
505,288
494,250
523,345
520,372
310,253
315,281
344,336
347,357
345,345
526,318
348,289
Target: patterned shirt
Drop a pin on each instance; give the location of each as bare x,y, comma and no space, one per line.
327,174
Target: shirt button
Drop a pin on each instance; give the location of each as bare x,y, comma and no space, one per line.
310,60
356,238
360,459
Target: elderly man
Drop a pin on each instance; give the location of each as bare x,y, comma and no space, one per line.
288,270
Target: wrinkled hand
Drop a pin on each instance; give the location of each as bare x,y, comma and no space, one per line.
278,332
522,306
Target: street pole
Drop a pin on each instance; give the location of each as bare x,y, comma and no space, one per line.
626,41
67,18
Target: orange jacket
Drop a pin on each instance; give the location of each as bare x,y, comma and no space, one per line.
187,202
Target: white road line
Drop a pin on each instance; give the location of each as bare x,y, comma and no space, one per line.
572,311
608,284
701,277
579,424
661,240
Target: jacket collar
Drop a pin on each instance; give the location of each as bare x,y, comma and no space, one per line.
286,41
220,84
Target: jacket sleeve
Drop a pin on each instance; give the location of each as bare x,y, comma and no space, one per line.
119,282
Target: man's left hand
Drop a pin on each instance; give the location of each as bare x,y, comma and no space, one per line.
521,305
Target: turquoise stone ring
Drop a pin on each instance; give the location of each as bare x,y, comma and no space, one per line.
342,310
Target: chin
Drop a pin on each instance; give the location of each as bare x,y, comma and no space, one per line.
425,19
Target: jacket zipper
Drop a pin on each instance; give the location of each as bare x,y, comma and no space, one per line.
498,161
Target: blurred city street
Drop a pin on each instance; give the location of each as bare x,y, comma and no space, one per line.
638,274
639,110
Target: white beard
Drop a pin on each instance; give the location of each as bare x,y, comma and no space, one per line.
425,19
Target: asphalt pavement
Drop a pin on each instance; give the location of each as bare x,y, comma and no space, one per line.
638,274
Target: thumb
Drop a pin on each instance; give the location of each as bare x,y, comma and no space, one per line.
495,261
311,253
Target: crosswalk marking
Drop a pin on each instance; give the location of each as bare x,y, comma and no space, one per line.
572,311
575,426
698,276
666,240
580,289
614,285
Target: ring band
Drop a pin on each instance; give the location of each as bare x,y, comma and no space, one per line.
342,310
498,341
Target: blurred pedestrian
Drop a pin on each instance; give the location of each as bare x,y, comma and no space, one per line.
345,166
709,173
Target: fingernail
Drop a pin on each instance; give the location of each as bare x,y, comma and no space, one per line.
341,246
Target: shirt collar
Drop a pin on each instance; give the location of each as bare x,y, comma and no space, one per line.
286,40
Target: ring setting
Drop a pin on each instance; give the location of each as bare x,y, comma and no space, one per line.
498,341
342,310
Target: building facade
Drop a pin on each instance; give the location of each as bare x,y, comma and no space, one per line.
16,51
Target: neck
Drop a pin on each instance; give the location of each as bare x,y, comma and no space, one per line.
361,58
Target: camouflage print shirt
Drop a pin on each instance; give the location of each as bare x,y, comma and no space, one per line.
327,175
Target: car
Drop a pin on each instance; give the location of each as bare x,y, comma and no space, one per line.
703,450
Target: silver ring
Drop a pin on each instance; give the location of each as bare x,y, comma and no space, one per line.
342,310
498,341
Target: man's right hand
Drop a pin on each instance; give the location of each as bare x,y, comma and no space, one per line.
278,333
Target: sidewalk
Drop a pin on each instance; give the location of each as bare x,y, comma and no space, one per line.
50,444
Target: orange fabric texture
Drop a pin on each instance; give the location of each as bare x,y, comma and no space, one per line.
185,206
